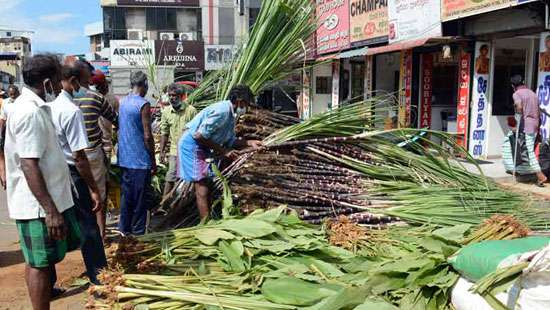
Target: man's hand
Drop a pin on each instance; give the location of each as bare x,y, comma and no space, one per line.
57,230
154,168
96,200
255,144
232,155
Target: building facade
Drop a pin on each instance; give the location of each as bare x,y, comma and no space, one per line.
447,63
174,40
13,51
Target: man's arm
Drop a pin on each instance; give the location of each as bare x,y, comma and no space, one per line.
148,135
54,220
517,104
83,166
164,136
107,112
209,144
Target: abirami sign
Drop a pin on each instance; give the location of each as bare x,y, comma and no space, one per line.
132,53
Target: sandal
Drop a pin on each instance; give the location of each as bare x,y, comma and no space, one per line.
57,292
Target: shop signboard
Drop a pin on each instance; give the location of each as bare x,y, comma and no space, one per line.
454,9
132,53
333,29
217,56
305,95
463,107
426,91
335,85
103,66
405,86
480,102
368,22
187,55
159,3
412,19
543,89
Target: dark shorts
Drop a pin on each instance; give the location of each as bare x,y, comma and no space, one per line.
172,173
38,249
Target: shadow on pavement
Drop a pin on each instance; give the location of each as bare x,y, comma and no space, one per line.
9,258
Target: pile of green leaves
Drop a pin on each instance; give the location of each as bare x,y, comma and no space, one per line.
410,271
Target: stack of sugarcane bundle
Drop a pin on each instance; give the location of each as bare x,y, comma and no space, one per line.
375,177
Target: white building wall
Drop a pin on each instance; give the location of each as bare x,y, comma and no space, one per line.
320,102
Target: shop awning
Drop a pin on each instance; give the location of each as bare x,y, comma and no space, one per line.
405,45
397,46
353,53
347,54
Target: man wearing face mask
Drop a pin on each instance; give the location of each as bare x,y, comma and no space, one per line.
136,156
38,180
212,132
71,133
94,106
172,124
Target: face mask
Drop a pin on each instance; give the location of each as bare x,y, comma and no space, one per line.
240,111
176,105
165,98
81,93
49,95
93,87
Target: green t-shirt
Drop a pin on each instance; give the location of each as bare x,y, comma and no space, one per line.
172,123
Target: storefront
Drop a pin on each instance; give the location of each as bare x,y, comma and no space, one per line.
443,94
507,44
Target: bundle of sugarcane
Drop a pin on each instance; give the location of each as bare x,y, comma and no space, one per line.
498,227
235,263
382,176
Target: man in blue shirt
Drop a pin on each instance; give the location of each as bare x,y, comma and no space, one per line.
136,156
212,132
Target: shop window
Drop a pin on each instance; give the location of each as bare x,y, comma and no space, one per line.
114,24
323,85
158,19
508,62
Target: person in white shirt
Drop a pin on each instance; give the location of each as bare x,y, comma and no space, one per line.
13,93
73,139
38,182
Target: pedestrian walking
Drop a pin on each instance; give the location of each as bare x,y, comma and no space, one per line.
212,129
71,133
136,156
94,106
38,180
174,118
527,115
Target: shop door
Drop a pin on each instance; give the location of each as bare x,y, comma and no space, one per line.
510,58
